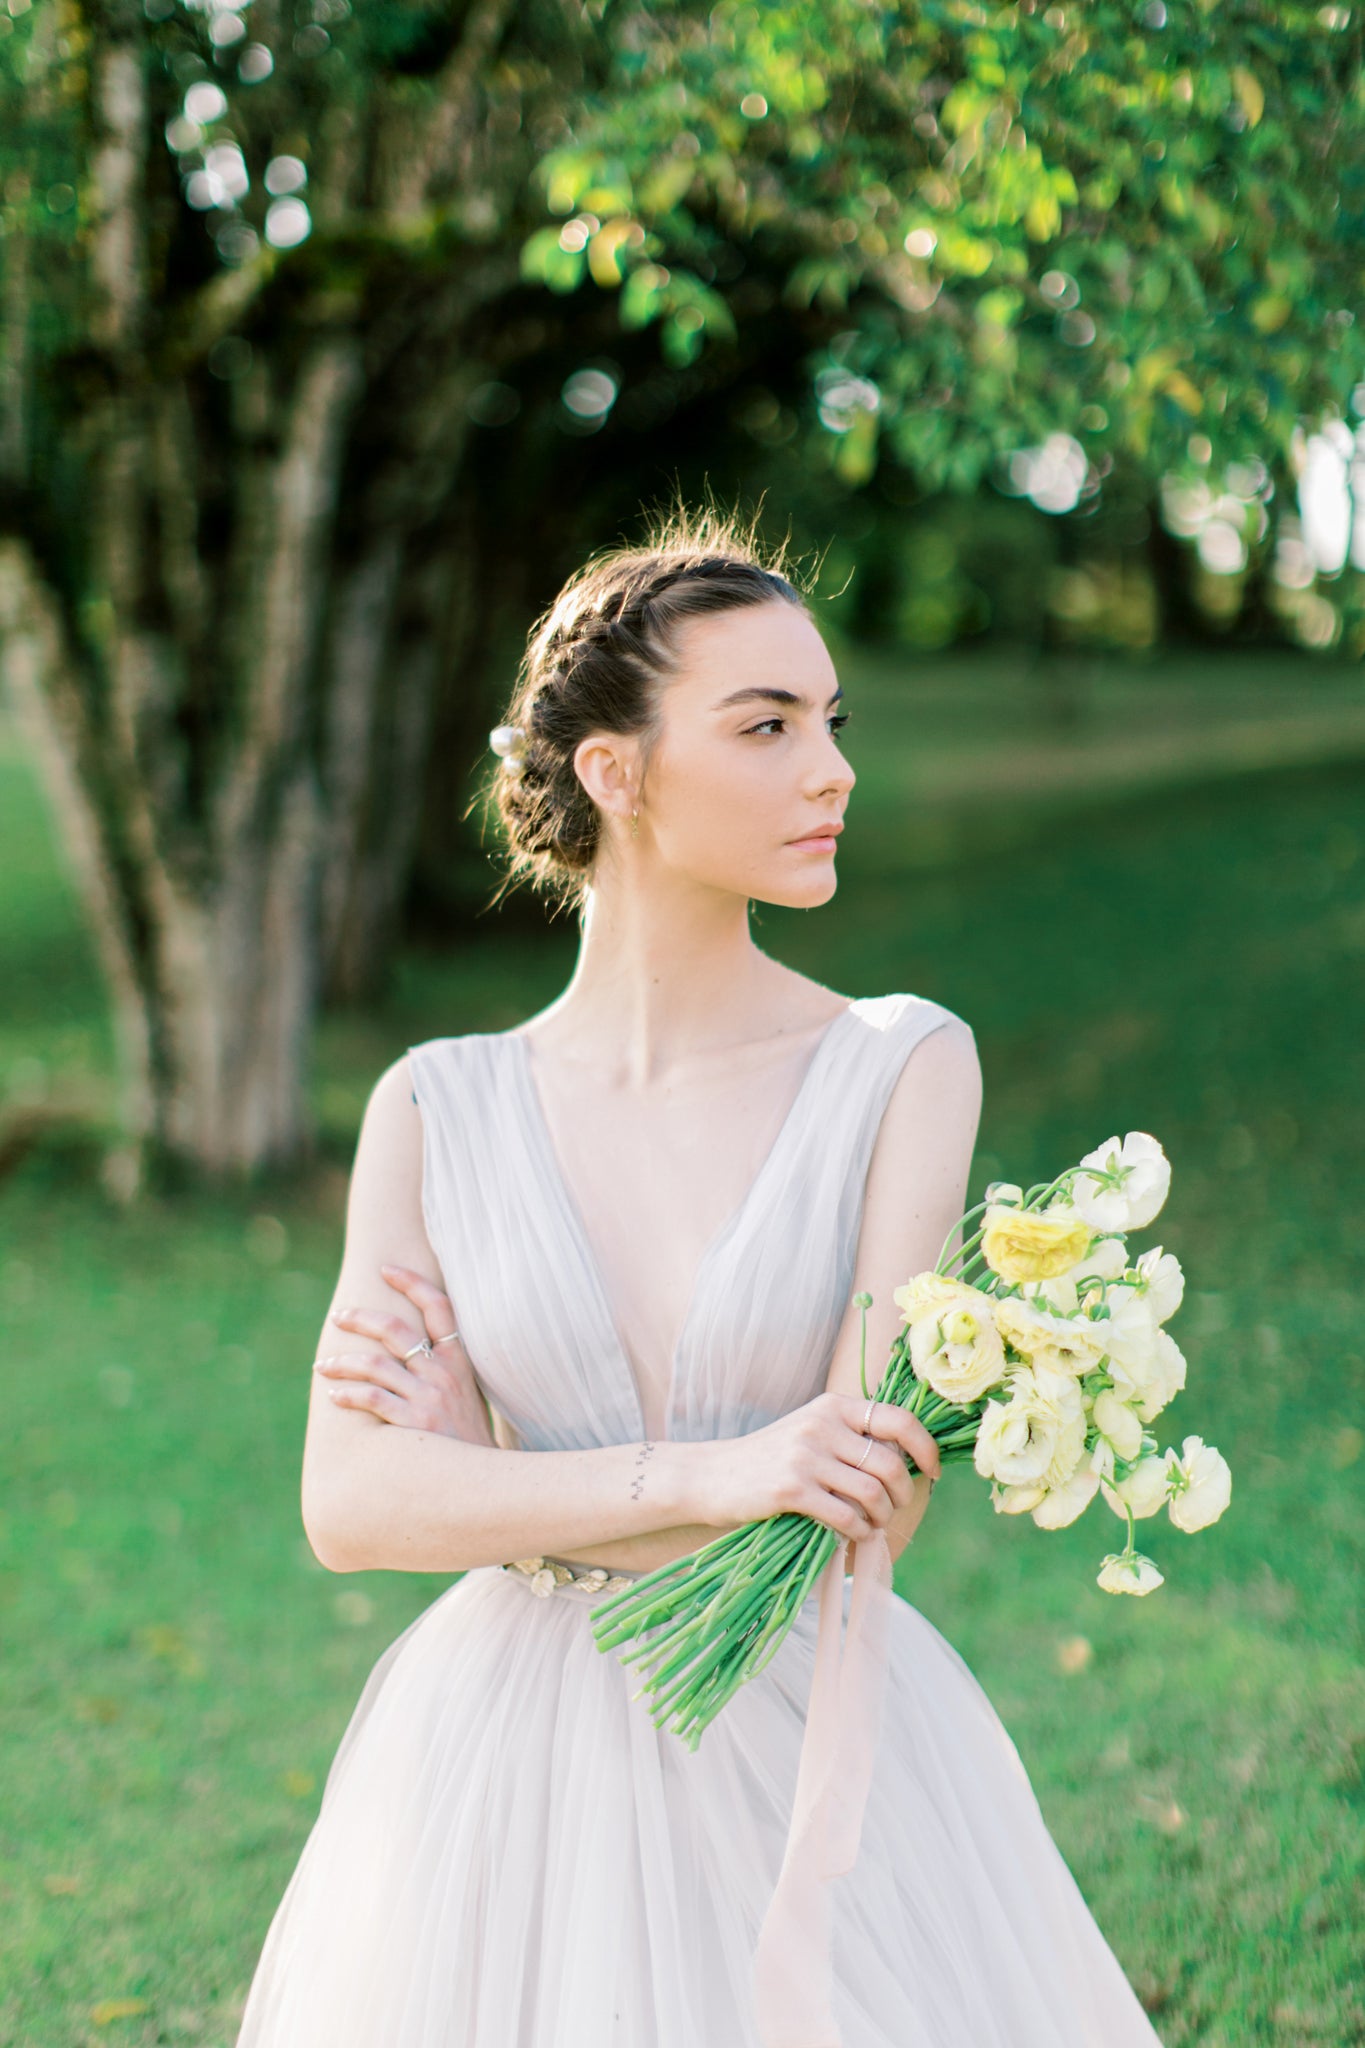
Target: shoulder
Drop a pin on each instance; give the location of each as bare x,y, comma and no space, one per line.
391,1113
938,1049
910,1019
431,1070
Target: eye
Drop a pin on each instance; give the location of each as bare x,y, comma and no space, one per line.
835,721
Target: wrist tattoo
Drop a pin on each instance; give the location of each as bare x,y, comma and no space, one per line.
637,1484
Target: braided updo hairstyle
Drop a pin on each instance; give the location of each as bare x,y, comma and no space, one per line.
597,661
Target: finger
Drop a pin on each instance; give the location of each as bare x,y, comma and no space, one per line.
844,1516
375,1366
884,1461
431,1301
385,1407
866,1491
396,1333
892,1424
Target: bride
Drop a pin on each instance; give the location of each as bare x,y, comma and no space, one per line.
595,1307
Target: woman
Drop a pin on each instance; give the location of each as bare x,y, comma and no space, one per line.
595,1308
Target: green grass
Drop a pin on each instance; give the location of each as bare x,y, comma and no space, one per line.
178,1669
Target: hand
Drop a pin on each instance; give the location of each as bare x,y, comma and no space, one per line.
816,1461
437,1393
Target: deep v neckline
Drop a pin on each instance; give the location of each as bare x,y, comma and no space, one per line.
557,1180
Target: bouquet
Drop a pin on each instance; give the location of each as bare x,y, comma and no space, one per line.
1038,1350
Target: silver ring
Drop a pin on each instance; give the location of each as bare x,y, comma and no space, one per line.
424,1346
450,1337
866,1454
867,1419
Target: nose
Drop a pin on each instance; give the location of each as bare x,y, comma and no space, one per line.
832,770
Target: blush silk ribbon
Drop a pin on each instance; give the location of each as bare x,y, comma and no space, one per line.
793,1962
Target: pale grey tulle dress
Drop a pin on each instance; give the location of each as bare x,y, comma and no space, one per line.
507,1854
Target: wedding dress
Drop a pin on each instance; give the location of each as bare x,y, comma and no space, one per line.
507,1853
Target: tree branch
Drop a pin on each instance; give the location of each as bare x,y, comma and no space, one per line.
429,161
118,165
43,670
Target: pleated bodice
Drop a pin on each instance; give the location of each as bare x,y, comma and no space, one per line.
772,1285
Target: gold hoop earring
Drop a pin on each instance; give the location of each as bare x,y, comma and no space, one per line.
635,824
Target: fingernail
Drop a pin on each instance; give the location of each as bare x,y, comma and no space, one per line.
335,1393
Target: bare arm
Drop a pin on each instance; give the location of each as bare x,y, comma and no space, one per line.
379,1498
916,1192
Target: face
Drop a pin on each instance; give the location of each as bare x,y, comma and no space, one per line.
747,774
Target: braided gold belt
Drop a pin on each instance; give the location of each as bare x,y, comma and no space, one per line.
548,1574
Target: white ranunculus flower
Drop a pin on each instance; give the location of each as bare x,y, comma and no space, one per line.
1015,1500
1067,1344
1057,1297
1143,1492
955,1346
1125,1185
1201,1484
1006,1448
1068,1454
1061,1505
1130,1328
1019,1439
1162,1281
1037,1438
1125,1574
1150,1383
1115,1420
1107,1258
1167,1379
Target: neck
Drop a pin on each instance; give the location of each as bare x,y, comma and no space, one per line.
667,968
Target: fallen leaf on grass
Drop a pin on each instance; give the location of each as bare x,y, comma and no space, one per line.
98,1706
161,1639
118,2009
1165,1814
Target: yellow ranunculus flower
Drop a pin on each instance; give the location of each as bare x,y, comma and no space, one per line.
1033,1244
954,1344
928,1290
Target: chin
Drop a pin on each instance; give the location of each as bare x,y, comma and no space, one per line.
794,893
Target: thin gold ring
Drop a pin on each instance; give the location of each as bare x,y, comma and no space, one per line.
866,1454
867,1419
450,1337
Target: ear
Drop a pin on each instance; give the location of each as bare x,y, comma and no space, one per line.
608,766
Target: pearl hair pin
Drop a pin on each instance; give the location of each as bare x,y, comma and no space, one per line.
509,741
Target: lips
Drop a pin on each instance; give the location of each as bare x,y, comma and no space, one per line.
819,832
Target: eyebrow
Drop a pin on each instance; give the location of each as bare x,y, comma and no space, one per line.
772,696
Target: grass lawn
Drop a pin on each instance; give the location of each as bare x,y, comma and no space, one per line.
178,1668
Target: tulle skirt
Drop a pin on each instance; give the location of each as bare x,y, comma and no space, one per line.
509,1855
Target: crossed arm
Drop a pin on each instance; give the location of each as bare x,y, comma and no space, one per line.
406,1468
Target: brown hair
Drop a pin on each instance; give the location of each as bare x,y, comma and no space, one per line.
596,661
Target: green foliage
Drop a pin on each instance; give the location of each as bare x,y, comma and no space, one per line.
1114,220
1102,219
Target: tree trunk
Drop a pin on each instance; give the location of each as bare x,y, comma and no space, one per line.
200,864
